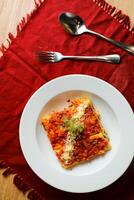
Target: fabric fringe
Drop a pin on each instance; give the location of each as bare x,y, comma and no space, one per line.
23,23
116,14
19,182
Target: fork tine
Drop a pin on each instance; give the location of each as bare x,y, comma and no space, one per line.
47,53
46,56
50,55
44,53
46,59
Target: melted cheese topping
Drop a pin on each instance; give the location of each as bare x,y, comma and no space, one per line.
66,156
80,110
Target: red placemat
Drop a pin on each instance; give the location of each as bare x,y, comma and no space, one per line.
21,75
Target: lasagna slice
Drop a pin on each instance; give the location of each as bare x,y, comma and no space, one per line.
76,133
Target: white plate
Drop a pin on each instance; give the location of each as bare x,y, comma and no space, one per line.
117,118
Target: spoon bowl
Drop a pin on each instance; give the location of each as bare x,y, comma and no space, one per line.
72,23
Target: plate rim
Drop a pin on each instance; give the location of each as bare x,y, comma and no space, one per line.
21,137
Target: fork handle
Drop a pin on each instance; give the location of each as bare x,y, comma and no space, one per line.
114,58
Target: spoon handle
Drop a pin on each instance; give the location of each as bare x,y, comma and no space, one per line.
121,45
114,58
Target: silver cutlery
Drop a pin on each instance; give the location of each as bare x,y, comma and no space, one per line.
74,25
49,56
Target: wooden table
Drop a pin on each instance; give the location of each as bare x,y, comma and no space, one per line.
11,11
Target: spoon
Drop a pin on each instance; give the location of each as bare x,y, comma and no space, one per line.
74,25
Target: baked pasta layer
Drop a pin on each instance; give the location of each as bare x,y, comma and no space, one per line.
76,133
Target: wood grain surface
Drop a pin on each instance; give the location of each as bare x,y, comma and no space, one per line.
11,12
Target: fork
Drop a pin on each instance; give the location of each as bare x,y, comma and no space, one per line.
49,56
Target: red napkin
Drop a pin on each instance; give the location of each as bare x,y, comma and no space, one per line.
21,75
